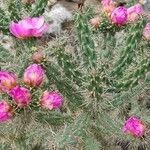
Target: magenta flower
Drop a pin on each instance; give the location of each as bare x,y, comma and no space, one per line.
5,111
119,15
134,127
7,81
33,75
50,100
146,32
28,27
21,96
134,12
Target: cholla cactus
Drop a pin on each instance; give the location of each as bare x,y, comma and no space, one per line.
92,90
103,84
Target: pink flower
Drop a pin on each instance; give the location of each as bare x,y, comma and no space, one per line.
5,111
21,96
119,15
134,127
33,75
146,32
7,81
107,6
134,12
50,100
28,27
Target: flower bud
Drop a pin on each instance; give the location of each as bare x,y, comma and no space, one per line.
21,96
95,22
5,111
7,81
134,12
107,6
134,126
33,75
146,32
50,100
37,57
119,15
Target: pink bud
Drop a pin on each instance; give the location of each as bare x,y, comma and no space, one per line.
33,75
106,2
146,32
37,57
119,15
95,22
107,6
21,96
134,12
7,81
5,111
134,127
50,100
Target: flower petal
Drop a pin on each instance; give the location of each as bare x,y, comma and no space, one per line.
38,22
39,32
27,23
13,28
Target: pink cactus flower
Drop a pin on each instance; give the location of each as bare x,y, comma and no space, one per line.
134,127
107,6
7,81
21,96
50,100
119,15
28,27
5,111
146,32
33,75
134,12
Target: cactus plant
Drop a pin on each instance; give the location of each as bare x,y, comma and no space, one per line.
100,80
